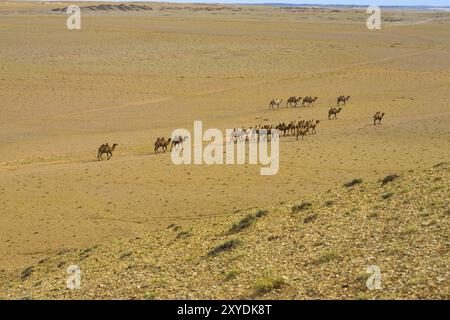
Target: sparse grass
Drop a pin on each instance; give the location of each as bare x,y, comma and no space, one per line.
353,182
412,228
125,255
268,282
437,188
301,207
246,221
226,246
242,224
362,296
27,272
363,276
389,178
373,214
327,257
183,235
329,203
310,218
231,274
440,164
150,295
417,281
396,249
386,195
261,213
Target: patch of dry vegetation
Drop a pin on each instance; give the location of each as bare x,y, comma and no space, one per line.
308,258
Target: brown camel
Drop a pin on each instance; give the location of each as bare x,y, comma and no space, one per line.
378,117
161,143
342,99
309,100
282,127
106,148
333,112
293,101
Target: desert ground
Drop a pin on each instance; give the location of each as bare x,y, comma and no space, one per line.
129,77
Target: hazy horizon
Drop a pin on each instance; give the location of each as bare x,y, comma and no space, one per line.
437,3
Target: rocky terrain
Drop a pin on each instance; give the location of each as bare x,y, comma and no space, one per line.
316,248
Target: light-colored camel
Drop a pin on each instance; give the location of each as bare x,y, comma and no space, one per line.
275,102
106,148
178,141
301,131
311,126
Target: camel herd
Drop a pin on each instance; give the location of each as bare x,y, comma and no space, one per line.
267,132
163,143
258,132
293,102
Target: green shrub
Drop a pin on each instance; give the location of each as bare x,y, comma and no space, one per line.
268,282
352,183
301,207
226,246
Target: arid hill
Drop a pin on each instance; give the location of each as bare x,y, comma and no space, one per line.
317,248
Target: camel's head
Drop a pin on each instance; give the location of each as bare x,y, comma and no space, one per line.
339,110
115,145
168,140
317,121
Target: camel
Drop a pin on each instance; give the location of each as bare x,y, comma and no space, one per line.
105,148
342,99
293,101
275,102
177,141
301,131
378,117
282,127
161,143
309,100
333,112
311,125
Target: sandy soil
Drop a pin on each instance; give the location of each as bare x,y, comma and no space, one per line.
128,78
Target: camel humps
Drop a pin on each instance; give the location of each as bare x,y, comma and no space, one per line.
106,148
333,112
342,99
161,143
378,117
